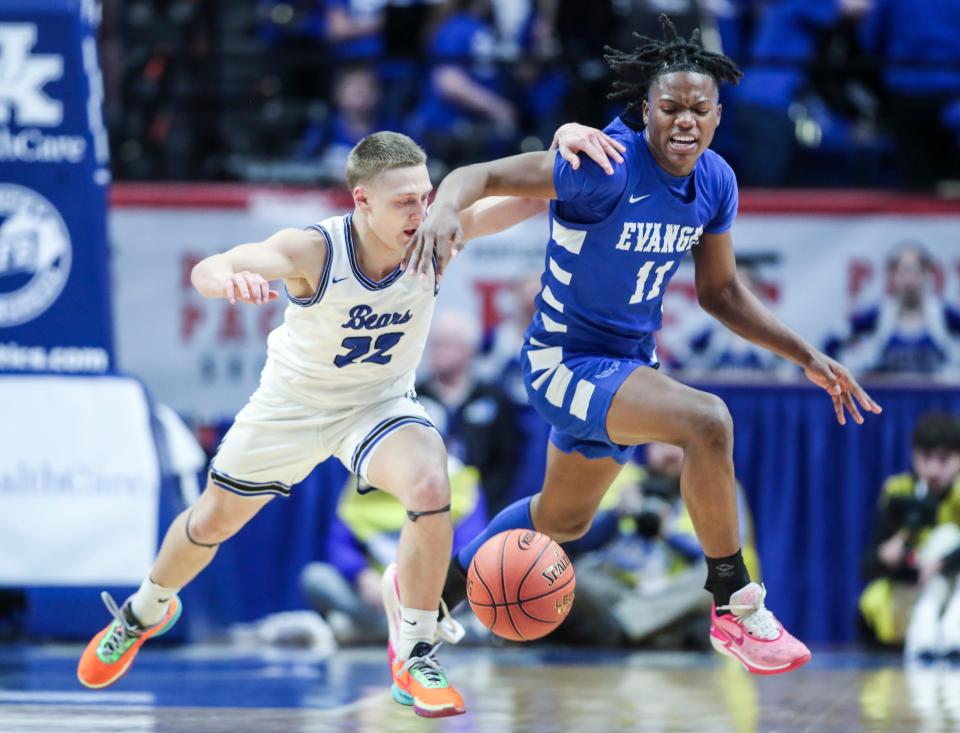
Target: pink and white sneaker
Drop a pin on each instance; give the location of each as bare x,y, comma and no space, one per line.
448,629
752,635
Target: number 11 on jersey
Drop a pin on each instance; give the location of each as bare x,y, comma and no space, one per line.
643,274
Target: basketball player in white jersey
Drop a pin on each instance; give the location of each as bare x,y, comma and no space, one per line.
338,381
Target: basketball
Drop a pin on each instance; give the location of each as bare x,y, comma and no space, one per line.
520,584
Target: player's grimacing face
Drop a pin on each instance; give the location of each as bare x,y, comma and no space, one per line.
682,111
395,203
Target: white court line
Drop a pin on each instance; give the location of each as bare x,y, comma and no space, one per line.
84,698
374,698
122,721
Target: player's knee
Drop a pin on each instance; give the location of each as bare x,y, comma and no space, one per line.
711,424
430,491
567,529
210,527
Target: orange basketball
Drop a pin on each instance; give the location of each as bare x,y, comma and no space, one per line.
520,584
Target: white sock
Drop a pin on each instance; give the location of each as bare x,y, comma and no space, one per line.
150,602
950,622
415,626
923,630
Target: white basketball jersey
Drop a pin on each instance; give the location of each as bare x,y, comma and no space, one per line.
355,340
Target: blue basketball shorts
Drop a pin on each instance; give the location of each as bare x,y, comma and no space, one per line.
573,392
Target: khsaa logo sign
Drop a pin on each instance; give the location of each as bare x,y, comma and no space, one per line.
35,254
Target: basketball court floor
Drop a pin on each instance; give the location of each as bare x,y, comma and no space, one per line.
511,690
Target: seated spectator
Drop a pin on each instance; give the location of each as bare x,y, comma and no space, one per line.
529,48
915,554
466,113
639,569
477,419
295,32
363,540
354,30
916,45
582,38
912,330
355,114
770,113
310,35
281,19
406,24
734,21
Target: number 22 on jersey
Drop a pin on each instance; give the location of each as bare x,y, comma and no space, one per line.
359,346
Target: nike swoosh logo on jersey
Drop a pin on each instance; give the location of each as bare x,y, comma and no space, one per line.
339,279
412,623
634,199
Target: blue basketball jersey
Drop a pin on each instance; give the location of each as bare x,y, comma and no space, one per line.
615,243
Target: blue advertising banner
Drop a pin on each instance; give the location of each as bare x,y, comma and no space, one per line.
55,313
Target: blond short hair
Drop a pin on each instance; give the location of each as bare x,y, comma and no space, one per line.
379,152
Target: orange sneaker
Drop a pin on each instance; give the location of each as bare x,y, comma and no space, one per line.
110,653
421,681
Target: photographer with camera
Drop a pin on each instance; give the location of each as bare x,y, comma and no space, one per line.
639,575
913,561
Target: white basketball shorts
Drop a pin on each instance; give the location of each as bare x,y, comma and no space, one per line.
275,443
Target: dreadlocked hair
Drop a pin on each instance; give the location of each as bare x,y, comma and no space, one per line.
639,68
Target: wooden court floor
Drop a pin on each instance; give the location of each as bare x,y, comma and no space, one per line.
522,690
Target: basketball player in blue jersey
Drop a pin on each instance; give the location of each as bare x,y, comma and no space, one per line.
589,356
338,381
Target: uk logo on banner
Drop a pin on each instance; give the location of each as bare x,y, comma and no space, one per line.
28,107
23,76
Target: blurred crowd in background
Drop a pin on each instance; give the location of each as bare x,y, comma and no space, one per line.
836,92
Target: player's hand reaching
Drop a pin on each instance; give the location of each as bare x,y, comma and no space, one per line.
440,234
248,287
841,386
573,138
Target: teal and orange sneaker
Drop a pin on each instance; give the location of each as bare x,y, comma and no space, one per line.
421,681
448,628
110,653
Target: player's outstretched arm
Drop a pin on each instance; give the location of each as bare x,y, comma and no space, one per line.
722,294
244,272
497,213
527,176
